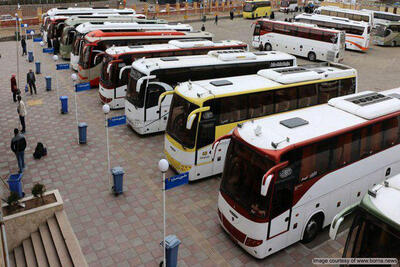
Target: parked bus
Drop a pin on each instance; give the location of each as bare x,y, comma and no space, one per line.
357,32
289,6
286,176
300,39
89,67
85,28
387,34
382,17
256,9
375,232
70,32
117,62
203,111
49,27
351,14
152,77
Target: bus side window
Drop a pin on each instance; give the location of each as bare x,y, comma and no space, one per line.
391,132
303,32
323,156
308,162
206,134
261,104
376,138
153,92
307,95
285,99
233,108
355,146
327,90
365,142
347,86
341,153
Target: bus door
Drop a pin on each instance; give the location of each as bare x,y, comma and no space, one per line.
257,32
205,139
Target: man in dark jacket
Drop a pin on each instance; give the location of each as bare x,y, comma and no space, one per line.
14,88
30,79
18,145
23,44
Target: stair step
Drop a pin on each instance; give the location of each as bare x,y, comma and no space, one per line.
29,253
12,259
19,257
70,239
39,250
48,245
59,242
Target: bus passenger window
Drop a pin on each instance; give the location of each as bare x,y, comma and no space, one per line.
232,109
341,153
307,96
347,86
365,142
391,132
285,99
376,137
323,156
261,104
327,90
308,163
153,92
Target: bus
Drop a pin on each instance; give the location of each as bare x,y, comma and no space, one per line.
203,111
289,6
357,32
152,77
381,16
256,9
49,27
286,176
96,42
387,34
70,32
117,61
85,28
375,231
351,14
300,39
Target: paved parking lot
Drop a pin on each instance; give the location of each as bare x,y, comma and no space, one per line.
126,230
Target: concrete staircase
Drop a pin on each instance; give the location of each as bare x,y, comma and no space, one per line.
54,244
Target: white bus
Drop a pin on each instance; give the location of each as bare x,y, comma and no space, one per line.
357,32
288,175
300,39
87,27
152,77
357,15
118,60
382,16
203,111
375,232
288,6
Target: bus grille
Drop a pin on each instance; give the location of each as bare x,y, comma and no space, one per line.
238,235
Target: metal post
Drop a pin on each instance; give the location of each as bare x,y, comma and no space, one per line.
4,238
16,38
76,113
164,215
108,157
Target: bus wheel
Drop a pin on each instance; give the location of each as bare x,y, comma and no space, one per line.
313,227
261,47
311,56
268,47
394,44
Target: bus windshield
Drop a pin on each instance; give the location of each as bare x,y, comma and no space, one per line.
241,180
84,58
284,3
132,95
371,238
105,77
176,126
248,7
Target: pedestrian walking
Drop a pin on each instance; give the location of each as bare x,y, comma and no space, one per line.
30,80
21,109
18,145
23,44
272,16
216,19
49,42
203,28
14,88
56,46
231,14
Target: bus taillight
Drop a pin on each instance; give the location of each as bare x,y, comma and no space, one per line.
105,99
250,242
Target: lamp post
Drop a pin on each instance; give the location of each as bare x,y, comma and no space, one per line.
163,166
17,35
106,110
33,47
74,77
55,58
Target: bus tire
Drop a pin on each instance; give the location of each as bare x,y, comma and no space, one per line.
261,47
268,47
394,43
311,56
313,227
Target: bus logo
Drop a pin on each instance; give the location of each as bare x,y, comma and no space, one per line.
285,172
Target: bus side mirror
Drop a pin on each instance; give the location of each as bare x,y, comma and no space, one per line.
190,121
140,81
162,97
265,184
335,227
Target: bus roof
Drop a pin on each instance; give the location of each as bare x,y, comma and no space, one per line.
171,45
352,11
200,91
344,21
216,57
109,25
75,10
380,201
79,19
301,24
291,129
388,23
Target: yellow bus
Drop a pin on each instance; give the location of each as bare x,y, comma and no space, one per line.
207,110
256,9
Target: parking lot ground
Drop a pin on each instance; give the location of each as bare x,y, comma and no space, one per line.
126,230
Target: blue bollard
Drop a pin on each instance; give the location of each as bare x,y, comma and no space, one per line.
82,127
30,56
118,177
48,83
64,104
15,184
171,250
37,65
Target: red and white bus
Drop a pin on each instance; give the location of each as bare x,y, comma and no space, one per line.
113,82
96,42
286,176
